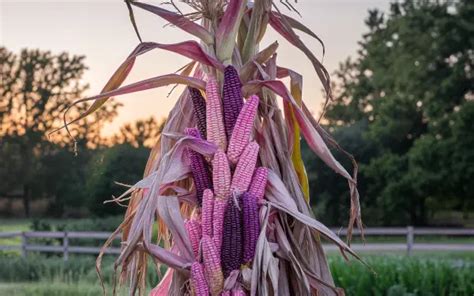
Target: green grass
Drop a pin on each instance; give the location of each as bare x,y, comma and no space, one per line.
405,276
82,288
393,275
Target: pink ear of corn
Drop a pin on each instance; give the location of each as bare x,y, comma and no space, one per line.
220,206
251,224
243,129
193,228
258,183
198,280
207,212
231,250
232,100
245,168
221,175
214,122
199,105
212,265
199,169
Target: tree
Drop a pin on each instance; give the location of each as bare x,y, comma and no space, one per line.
121,163
35,89
412,81
141,133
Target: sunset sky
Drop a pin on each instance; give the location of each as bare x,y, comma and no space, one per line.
101,31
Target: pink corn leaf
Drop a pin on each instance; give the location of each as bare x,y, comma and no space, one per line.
265,265
163,287
315,142
276,191
172,168
313,223
280,24
311,135
190,49
169,211
228,28
295,24
169,258
179,21
249,68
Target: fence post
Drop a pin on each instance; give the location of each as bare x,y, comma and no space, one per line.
410,239
24,242
65,246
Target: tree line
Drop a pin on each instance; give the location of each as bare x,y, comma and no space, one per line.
36,88
403,105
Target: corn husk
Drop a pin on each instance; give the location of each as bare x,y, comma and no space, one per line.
289,258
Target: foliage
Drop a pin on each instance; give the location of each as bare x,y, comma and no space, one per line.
404,106
36,88
396,275
121,163
392,275
141,133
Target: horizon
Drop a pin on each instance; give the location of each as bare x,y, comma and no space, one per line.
24,25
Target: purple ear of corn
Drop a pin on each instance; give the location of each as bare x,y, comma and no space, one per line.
232,98
221,177
251,223
220,206
207,212
212,265
231,250
199,105
214,121
199,169
243,129
193,228
258,183
198,280
245,168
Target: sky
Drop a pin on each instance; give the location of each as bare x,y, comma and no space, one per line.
101,31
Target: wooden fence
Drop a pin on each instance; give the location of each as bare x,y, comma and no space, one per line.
409,233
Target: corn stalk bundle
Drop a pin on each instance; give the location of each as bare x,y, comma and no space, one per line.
225,183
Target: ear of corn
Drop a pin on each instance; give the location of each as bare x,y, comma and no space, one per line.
221,175
198,280
243,129
245,167
226,293
212,265
201,175
259,182
231,250
220,206
193,228
199,105
232,100
214,122
207,212
251,225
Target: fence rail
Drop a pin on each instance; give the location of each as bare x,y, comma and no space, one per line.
408,232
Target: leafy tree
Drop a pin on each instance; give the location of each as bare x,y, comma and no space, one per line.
35,90
121,163
412,82
141,133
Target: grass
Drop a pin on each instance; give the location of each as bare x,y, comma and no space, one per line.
391,275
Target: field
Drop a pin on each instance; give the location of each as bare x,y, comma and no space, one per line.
393,274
